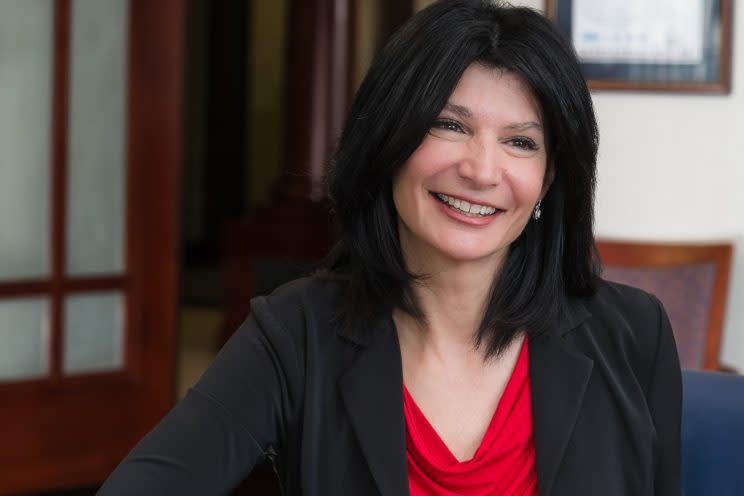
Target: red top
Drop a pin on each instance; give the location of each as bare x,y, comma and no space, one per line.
503,465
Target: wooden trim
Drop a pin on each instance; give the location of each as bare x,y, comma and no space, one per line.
103,283
316,94
727,19
10,289
308,72
633,254
723,255
551,9
60,111
32,388
133,322
156,41
75,435
341,49
627,254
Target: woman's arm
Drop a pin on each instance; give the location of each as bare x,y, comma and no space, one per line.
223,427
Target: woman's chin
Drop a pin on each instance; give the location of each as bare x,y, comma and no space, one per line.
470,254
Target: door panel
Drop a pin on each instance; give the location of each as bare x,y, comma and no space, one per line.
94,334
26,55
88,321
96,137
25,338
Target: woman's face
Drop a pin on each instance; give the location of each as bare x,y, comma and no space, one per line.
471,186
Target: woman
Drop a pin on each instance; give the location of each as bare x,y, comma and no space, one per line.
460,340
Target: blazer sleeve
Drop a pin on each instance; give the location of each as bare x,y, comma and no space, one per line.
239,411
665,403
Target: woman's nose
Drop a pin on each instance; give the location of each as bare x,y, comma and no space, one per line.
483,164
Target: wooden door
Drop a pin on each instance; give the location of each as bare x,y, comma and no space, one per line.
89,161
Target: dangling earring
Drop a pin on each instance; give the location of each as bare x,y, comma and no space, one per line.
537,213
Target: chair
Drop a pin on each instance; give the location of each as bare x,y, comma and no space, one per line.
712,434
691,280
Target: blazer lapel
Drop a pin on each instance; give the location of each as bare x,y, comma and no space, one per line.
558,380
372,390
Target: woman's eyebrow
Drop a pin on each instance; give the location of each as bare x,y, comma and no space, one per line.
459,110
523,126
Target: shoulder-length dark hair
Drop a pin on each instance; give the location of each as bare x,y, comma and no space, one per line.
405,89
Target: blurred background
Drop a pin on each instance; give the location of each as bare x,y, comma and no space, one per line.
161,162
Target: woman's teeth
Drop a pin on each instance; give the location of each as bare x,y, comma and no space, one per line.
464,207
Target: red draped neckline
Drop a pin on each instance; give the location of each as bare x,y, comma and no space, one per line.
503,464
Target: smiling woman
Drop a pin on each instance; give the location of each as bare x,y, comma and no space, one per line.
479,165
459,340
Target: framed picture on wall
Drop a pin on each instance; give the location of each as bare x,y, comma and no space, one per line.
661,45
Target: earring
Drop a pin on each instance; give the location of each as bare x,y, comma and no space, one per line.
537,212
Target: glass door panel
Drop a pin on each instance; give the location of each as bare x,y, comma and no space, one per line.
25,137
97,131
24,334
93,338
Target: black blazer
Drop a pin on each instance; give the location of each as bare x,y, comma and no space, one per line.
606,400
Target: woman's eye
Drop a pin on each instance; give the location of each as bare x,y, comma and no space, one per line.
447,125
524,143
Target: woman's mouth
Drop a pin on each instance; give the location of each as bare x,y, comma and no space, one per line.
466,208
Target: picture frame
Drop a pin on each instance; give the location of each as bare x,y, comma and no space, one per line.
641,45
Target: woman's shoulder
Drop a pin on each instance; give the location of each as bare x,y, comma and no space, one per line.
630,322
317,290
301,305
615,299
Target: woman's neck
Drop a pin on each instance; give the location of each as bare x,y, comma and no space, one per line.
453,297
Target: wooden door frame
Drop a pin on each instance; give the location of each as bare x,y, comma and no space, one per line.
154,158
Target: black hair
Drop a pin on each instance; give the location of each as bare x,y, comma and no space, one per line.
404,91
